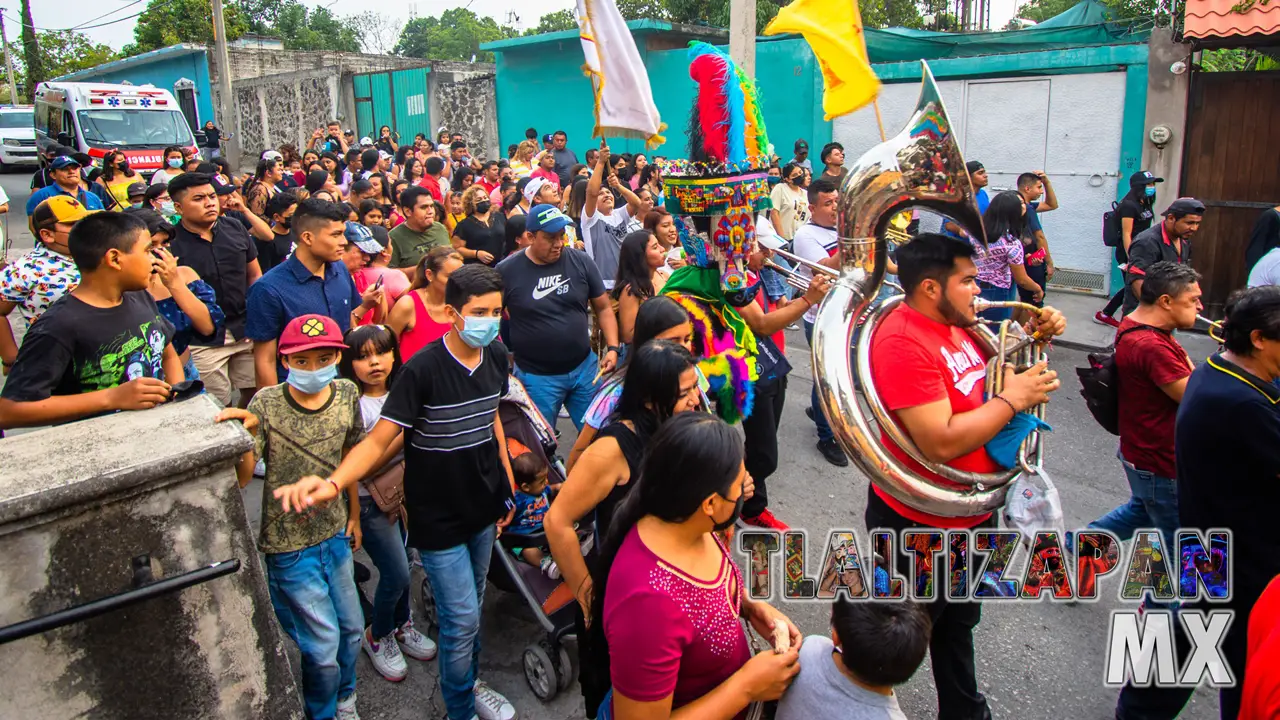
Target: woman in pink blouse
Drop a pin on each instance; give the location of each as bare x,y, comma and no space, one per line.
669,602
1000,261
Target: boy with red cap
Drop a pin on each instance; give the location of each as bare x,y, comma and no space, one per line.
304,427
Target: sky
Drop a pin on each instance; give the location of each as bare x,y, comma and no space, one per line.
64,14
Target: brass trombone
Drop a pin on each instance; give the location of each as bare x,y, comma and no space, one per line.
1215,329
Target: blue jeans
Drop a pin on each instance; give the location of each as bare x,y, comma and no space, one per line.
457,578
819,420
190,371
314,595
775,285
1153,503
573,390
385,545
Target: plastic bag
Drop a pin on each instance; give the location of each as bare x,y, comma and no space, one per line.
1033,505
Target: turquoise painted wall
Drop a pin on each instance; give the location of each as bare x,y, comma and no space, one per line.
542,86
163,73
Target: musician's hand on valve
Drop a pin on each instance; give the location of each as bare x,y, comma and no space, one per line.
1050,323
1024,390
818,288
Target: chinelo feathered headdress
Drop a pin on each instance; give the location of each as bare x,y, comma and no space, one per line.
714,195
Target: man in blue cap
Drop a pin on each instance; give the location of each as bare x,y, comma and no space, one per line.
548,290
65,173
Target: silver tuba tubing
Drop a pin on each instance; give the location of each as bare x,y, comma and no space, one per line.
920,167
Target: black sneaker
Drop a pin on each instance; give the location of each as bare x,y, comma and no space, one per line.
832,452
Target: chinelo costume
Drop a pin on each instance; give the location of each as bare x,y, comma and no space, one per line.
714,196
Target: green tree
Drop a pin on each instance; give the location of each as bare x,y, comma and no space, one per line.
167,22
642,9
317,29
1041,10
66,51
554,22
890,13
31,49
456,35
261,15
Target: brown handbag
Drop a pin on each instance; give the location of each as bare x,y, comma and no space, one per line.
387,488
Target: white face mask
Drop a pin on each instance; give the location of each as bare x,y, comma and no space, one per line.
167,208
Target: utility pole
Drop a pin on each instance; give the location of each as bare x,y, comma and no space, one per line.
226,102
8,62
742,35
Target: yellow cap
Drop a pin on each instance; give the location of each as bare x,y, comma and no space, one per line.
57,209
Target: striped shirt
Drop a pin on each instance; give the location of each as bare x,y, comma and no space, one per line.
455,484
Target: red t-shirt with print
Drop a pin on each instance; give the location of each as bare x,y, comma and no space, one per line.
915,361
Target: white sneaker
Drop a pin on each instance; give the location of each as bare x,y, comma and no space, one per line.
491,705
564,413
415,644
347,709
549,568
260,469
385,655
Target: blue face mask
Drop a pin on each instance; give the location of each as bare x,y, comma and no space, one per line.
174,163
774,180
1150,191
479,332
310,382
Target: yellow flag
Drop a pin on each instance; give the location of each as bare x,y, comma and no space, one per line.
834,32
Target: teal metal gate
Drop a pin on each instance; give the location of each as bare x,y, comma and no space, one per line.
396,98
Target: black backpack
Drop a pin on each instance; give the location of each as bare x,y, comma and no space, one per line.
1111,227
1100,385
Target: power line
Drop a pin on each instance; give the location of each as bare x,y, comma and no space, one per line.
78,27
113,12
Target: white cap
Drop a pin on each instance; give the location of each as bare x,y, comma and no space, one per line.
766,235
534,185
383,154
366,141
272,155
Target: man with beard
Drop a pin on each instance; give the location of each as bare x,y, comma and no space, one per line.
1168,241
931,377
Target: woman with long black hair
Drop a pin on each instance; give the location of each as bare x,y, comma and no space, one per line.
1000,262
639,261
117,176
262,186
659,318
662,562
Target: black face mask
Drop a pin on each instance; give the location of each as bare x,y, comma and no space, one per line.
284,224
743,297
483,207
737,512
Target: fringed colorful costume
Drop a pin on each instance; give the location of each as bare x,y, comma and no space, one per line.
715,195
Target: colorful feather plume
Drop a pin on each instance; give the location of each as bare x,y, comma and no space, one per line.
711,70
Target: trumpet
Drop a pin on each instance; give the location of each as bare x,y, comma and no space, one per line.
800,282
1215,329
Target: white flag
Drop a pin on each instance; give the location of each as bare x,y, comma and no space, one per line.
623,99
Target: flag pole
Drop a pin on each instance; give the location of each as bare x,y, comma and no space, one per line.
879,120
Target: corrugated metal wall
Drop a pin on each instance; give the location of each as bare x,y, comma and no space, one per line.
394,98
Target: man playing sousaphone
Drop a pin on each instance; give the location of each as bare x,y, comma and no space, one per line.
931,377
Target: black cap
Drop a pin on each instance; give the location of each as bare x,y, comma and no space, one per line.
136,189
1143,177
801,145
974,166
1185,206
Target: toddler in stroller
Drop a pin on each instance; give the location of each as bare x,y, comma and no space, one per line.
533,497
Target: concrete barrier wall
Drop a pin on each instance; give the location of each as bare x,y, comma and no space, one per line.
285,108
77,503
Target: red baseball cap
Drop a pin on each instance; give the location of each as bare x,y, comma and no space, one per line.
309,332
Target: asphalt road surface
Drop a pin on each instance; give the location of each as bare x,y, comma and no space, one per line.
1038,660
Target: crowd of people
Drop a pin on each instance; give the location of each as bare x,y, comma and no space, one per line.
362,307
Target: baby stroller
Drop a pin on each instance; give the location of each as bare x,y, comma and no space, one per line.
548,667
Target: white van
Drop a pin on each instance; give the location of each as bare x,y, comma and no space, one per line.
96,118
17,137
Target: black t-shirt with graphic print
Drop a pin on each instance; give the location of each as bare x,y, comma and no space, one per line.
549,307
78,348
454,482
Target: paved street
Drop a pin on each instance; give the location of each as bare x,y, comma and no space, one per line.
1034,661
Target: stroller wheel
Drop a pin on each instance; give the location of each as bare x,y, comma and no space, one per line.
429,621
565,671
540,672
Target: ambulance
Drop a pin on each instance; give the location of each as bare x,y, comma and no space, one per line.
96,118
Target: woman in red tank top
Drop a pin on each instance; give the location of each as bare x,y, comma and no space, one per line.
419,317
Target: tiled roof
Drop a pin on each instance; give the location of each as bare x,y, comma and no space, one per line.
1215,18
